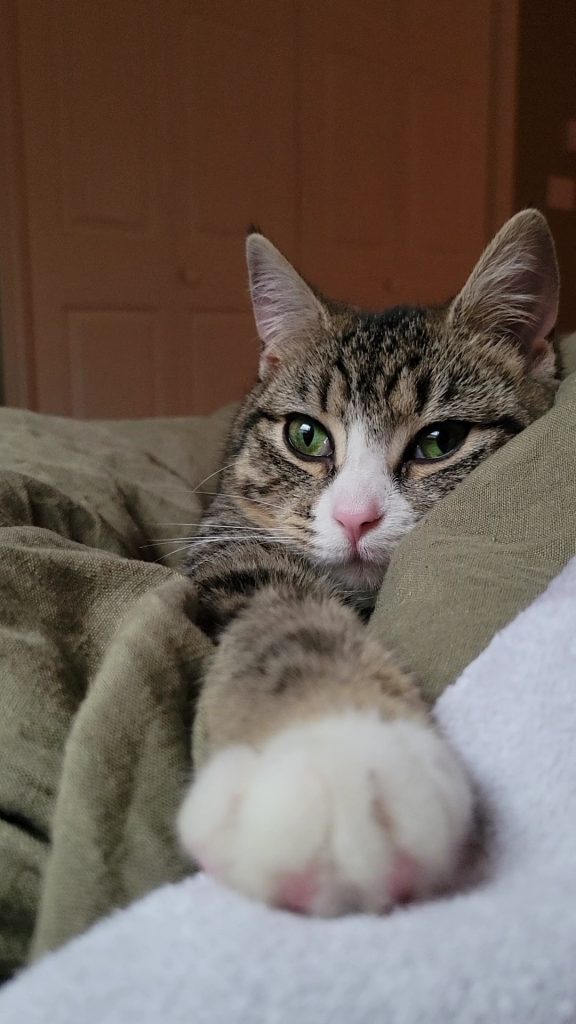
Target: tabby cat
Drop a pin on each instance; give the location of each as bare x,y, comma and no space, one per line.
325,787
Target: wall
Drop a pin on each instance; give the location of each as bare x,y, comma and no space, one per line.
546,100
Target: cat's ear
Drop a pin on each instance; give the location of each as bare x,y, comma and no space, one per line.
285,307
513,290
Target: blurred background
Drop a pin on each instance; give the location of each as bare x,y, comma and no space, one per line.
378,143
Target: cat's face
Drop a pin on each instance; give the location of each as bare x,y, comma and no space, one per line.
361,422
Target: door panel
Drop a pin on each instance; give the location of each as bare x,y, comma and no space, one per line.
352,139
96,238
108,379
104,135
237,146
394,136
357,135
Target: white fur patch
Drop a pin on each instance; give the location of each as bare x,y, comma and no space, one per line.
363,478
341,799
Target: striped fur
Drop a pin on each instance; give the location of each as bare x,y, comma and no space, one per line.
277,586
396,372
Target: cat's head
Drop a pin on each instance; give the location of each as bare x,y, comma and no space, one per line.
361,421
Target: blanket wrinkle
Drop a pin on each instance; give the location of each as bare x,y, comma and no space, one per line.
101,659
66,586
499,952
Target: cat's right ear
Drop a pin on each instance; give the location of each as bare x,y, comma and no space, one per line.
286,309
513,290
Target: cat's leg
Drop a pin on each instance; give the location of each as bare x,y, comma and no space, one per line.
325,787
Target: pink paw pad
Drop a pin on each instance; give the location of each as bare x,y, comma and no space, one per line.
296,892
401,884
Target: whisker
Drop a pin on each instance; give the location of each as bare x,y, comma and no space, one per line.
220,537
192,492
195,542
229,526
199,541
230,494
168,554
172,489
257,501
203,561
209,477
263,531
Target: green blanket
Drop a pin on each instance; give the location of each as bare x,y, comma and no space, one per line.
101,662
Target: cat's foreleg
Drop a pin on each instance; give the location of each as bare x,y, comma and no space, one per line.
324,788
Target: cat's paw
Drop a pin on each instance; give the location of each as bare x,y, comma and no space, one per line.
345,813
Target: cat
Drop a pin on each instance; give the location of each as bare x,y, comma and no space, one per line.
323,785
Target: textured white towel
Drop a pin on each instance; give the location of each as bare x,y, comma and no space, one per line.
503,952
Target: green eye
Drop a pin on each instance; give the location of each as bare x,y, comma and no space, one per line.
439,440
308,437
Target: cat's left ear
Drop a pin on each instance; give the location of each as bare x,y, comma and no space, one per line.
286,310
513,290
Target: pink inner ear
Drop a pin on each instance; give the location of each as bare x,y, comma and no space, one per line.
269,361
549,320
539,349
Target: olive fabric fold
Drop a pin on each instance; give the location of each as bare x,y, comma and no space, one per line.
101,660
485,552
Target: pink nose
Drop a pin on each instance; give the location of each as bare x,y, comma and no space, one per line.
357,522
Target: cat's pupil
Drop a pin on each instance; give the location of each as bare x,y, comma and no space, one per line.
308,438
439,440
307,433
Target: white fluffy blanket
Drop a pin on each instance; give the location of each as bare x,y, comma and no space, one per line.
503,951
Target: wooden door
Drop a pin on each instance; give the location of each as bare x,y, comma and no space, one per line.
145,163
400,103
235,147
141,138
94,134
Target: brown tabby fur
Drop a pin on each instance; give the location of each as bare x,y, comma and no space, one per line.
291,644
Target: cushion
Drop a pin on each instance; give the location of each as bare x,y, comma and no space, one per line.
486,551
